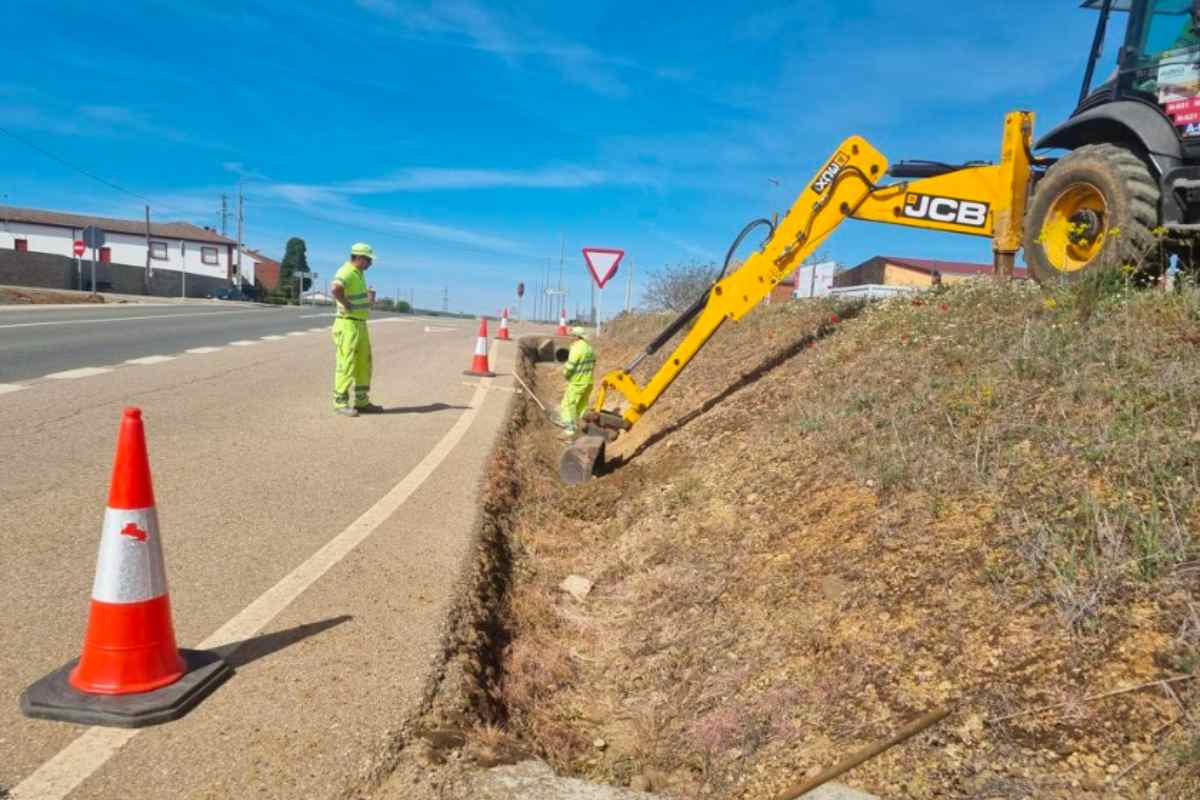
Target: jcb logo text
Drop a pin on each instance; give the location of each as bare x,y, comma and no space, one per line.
825,179
946,209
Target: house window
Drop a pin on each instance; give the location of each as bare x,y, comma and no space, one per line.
158,251
21,245
208,255
105,255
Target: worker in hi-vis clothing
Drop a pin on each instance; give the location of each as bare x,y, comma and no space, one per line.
350,337
581,361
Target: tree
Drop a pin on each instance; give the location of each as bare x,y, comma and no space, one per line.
675,288
295,259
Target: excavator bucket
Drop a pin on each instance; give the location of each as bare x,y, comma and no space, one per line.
582,460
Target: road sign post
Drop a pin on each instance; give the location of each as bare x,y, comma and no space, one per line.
78,249
93,237
602,262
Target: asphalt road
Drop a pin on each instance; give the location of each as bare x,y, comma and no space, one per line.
318,553
46,340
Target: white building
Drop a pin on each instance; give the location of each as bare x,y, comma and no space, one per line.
173,245
815,280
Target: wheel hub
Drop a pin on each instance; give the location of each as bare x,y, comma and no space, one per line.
1085,226
1076,228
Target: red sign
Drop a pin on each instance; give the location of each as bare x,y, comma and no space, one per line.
78,247
1183,111
602,261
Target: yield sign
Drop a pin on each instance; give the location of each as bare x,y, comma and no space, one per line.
602,261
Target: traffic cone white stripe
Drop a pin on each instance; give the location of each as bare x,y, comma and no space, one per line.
130,566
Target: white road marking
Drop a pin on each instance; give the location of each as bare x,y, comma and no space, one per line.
241,343
83,306
298,333
5,388
317,330
314,316
199,351
82,372
271,338
72,765
124,319
150,360
429,329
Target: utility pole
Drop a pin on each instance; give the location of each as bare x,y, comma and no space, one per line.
240,218
562,255
147,275
224,213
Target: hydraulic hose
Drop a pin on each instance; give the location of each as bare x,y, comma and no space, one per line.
687,316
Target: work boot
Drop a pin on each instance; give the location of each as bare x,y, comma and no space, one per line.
346,411
369,408
568,433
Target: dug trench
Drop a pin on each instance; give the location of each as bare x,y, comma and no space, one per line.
983,500
463,727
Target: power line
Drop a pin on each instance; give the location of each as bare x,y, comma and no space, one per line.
79,169
300,212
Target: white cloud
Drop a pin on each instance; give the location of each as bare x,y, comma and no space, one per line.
471,24
432,178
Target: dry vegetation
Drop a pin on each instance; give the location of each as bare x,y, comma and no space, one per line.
27,296
985,498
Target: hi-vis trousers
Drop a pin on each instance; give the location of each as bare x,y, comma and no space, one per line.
353,344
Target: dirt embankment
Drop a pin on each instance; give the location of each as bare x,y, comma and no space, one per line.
29,296
985,499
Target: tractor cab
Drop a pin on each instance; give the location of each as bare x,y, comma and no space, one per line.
1158,62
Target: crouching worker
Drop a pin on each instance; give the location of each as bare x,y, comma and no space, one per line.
581,362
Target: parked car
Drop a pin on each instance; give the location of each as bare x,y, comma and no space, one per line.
227,294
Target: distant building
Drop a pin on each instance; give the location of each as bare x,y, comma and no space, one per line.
266,270
913,272
178,246
815,280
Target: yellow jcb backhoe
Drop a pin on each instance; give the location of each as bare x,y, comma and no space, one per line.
1127,195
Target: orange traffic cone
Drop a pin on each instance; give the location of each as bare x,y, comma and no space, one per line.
562,323
479,364
503,333
130,672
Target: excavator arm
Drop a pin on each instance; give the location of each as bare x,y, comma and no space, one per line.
985,200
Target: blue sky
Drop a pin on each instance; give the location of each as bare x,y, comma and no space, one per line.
463,139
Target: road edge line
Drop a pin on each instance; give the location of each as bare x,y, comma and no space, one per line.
75,763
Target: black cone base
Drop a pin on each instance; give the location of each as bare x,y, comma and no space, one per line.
53,698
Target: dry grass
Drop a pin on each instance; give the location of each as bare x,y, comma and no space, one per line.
986,497
29,296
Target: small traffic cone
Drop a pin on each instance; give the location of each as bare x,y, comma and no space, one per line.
562,324
503,334
130,673
479,364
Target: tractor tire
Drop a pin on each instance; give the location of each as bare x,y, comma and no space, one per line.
1095,210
